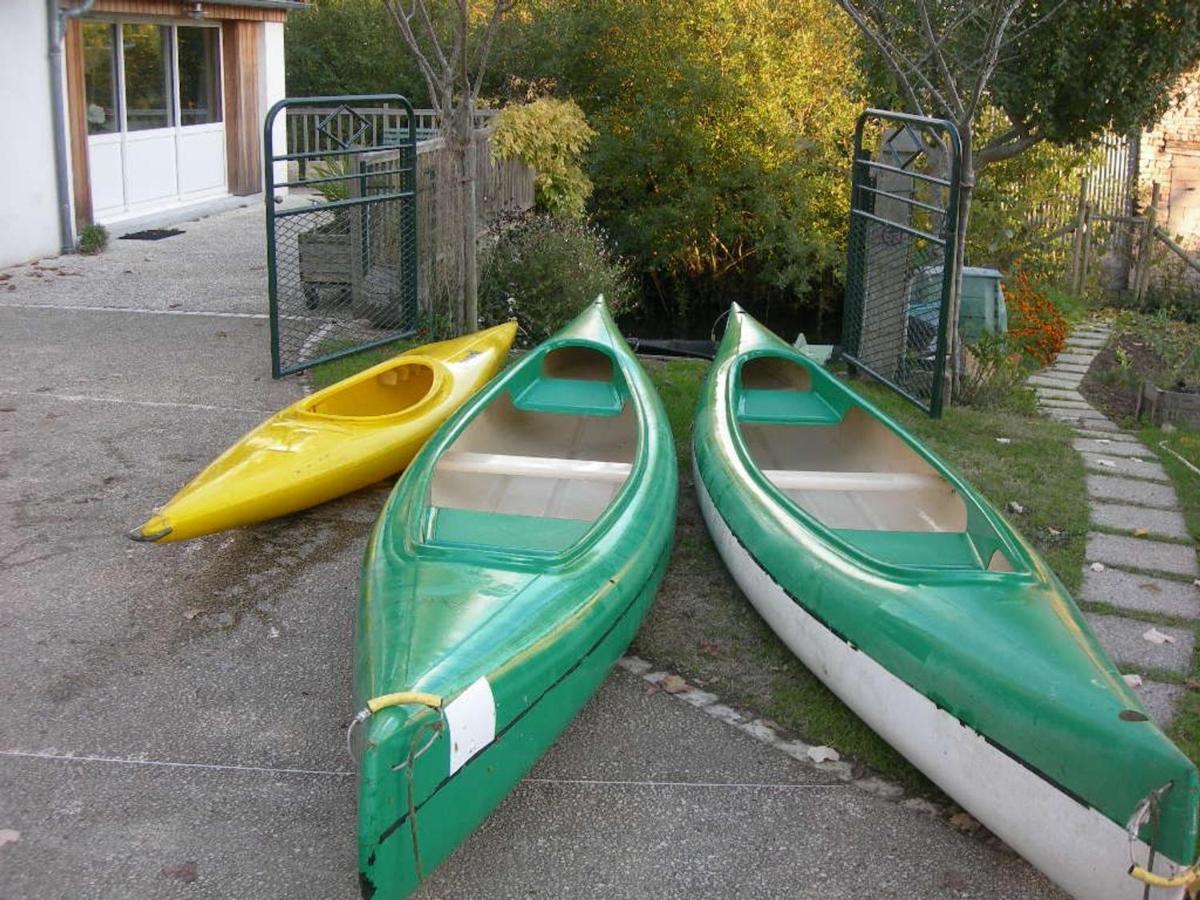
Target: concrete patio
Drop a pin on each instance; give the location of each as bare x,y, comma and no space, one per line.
173,716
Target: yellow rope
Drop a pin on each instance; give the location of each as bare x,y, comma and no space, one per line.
1189,879
401,698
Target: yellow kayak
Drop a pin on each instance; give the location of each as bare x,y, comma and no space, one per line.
349,435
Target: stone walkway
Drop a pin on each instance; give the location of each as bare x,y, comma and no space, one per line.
1140,562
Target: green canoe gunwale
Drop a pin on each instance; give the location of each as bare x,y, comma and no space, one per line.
1006,654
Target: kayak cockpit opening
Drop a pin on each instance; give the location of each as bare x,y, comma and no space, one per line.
542,462
394,390
855,475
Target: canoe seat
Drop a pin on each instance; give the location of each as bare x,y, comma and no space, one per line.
471,528
786,408
792,480
534,466
569,396
921,549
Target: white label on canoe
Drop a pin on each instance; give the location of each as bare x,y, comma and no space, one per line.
471,718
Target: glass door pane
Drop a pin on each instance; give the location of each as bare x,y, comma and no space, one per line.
148,94
199,76
100,78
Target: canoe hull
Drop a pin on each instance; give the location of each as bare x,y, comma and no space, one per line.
1084,852
466,799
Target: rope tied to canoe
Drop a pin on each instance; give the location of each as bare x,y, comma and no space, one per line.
1148,810
433,726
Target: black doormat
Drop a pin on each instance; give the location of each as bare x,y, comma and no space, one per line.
152,234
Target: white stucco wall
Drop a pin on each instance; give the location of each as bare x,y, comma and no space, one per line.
271,87
28,198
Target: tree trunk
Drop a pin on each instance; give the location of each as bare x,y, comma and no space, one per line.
466,146
966,189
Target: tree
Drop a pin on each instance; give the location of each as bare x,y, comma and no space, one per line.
723,134
451,43
1063,71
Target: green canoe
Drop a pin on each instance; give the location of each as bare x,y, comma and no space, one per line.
509,570
904,591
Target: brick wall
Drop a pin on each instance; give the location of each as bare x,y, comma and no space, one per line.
1170,155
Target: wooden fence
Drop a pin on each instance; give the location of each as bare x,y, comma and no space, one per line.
502,188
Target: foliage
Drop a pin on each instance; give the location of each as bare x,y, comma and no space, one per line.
347,47
336,168
1034,322
543,271
1175,344
93,239
1017,201
551,136
723,133
994,378
1174,288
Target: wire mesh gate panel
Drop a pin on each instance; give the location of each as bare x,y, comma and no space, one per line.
342,247
902,264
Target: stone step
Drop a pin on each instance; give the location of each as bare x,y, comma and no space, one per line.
1086,343
1130,466
1062,403
1058,393
1069,368
1167,522
1111,446
1141,553
1058,380
1160,700
1124,641
1141,593
1129,490
1098,425
1081,358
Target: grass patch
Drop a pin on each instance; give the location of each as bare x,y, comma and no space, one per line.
1187,482
335,370
1073,307
702,627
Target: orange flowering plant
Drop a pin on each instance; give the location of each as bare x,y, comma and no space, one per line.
1034,323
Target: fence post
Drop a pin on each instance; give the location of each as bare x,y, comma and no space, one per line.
1081,216
1145,245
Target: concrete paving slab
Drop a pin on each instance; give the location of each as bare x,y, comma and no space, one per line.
1085,342
1141,553
1160,700
1125,466
634,816
1069,368
1089,427
1130,490
1058,393
107,830
1075,359
1124,641
1081,406
1063,382
1167,522
1112,446
1141,593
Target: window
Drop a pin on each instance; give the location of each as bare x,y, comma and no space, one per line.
144,70
148,94
100,78
199,77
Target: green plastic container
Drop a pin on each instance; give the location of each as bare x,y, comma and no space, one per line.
982,307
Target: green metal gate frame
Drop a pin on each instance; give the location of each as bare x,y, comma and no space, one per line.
864,192
402,141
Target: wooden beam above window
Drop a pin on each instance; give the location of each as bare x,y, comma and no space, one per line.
177,9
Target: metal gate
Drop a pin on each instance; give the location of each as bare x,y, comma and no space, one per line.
902,263
342,245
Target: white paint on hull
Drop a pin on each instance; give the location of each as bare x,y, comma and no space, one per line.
1078,848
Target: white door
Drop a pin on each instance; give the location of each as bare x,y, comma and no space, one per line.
156,135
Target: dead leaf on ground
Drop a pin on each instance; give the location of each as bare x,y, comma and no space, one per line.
673,684
1097,567
186,872
1155,636
1015,507
710,648
191,614
9,836
1150,586
964,821
1133,679
1192,684
1054,532
1141,532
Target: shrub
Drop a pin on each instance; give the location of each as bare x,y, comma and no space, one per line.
543,271
1034,323
993,377
93,239
549,135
